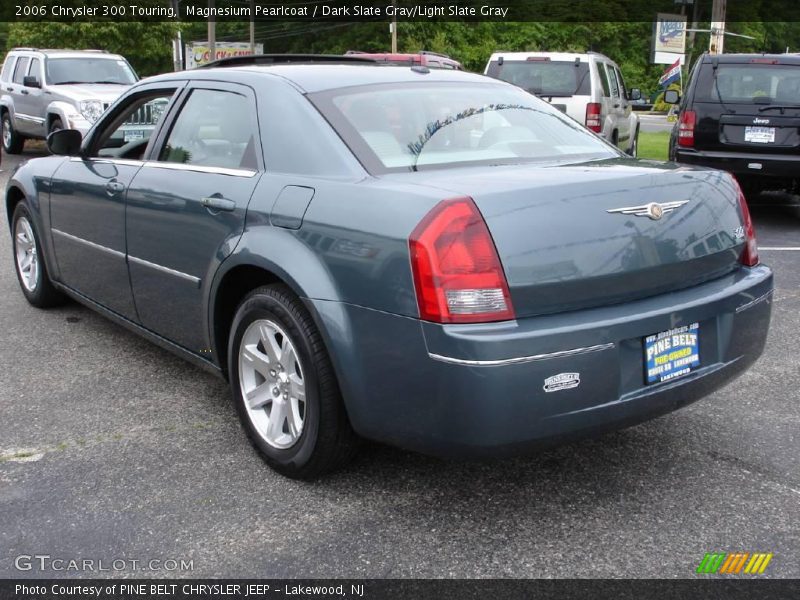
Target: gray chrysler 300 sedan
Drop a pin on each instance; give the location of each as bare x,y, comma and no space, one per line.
432,259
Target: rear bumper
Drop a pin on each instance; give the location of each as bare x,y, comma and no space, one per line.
479,390
743,164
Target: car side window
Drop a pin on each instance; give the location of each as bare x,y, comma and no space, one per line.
623,91
612,80
8,66
128,133
35,69
601,68
21,69
215,128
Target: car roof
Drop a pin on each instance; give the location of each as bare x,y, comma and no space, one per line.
320,77
785,59
563,56
65,53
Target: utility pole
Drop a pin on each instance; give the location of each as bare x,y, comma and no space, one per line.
253,26
212,33
177,43
715,44
393,27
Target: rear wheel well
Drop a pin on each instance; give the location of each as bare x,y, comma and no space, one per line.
13,197
235,285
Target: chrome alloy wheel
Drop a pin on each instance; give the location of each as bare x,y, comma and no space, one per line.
27,254
272,383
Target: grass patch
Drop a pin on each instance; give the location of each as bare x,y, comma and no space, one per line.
654,145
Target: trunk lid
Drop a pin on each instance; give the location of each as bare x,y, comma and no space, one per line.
562,249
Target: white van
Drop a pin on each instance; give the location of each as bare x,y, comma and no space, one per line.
588,87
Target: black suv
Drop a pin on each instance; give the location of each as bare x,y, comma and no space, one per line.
741,113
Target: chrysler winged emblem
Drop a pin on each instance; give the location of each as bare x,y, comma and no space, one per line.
653,210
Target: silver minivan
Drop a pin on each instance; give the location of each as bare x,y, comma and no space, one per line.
587,87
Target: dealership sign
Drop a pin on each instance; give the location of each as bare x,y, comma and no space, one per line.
199,53
669,38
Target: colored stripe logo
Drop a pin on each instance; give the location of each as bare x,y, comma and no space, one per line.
734,562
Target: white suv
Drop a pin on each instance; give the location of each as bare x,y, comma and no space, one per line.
45,90
587,87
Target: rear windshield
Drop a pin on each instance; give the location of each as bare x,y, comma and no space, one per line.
399,127
749,83
89,70
544,77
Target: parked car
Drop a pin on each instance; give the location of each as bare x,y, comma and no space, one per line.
47,90
587,87
423,58
430,259
741,113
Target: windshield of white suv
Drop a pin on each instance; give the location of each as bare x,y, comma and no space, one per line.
400,127
61,71
544,77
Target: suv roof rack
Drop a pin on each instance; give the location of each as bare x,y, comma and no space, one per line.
24,49
278,59
429,53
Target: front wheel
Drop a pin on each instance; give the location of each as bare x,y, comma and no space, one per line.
284,388
634,149
31,268
12,141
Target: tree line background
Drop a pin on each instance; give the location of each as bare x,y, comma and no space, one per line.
148,46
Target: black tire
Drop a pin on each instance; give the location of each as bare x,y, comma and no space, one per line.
55,125
327,440
633,151
44,295
12,142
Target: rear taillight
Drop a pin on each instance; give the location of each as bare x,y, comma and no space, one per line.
457,273
686,128
749,257
593,117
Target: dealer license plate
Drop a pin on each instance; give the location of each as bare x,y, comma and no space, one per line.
672,353
133,134
759,135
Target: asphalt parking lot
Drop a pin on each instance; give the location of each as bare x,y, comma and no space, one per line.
113,449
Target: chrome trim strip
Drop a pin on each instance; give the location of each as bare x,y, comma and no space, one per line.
26,117
80,240
163,269
201,168
520,359
108,160
747,305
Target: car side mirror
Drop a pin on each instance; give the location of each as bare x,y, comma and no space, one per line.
636,94
31,81
65,142
672,97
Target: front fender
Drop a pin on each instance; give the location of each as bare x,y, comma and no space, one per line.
31,179
7,103
63,110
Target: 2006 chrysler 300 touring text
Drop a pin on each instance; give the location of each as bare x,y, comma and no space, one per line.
432,259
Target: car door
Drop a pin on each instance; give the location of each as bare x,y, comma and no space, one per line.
22,120
87,207
32,101
624,113
186,208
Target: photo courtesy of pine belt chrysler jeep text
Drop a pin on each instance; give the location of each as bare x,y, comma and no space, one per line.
428,258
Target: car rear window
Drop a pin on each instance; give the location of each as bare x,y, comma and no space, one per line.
749,83
544,77
398,127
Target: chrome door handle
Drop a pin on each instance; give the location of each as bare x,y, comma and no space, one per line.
213,203
114,187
